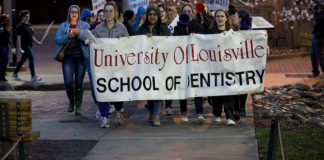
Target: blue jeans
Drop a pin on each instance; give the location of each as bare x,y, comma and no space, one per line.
317,56
103,106
74,67
4,59
156,106
27,54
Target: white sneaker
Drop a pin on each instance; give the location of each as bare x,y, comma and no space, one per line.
184,117
105,123
35,78
111,108
216,119
201,119
230,122
98,115
122,110
15,77
168,111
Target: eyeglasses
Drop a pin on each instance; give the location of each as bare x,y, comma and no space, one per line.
150,14
74,12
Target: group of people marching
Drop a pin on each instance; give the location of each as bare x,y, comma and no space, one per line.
153,21
110,23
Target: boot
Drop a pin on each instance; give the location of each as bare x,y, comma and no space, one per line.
156,120
70,94
78,101
119,117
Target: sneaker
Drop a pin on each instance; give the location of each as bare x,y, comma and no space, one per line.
15,77
98,115
111,108
122,110
119,118
168,111
201,119
217,119
184,117
105,123
35,78
230,122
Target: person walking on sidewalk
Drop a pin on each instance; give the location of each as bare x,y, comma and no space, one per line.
153,26
76,56
110,28
223,24
186,26
317,56
4,41
244,22
25,38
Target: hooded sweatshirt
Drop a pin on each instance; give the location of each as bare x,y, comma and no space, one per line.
62,37
140,12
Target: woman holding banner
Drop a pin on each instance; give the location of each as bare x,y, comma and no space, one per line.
76,55
244,22
186,26
110,28
153,27
223,23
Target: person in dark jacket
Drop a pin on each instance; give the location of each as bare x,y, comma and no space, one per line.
185,26
243,22
25,39
222,24
129,17
4,42
317,57
153,27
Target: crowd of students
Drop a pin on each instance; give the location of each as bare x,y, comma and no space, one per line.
111,23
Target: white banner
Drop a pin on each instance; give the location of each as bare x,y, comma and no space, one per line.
97,5
178,67
217,4
134,4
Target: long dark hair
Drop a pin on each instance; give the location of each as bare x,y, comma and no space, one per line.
246,20
158,23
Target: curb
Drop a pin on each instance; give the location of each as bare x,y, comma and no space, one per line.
287,56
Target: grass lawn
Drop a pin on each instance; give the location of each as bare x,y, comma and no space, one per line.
300,141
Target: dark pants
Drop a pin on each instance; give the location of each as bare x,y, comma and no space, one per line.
317,56
27,54
228,102
240,101
74,67
183,105
4,59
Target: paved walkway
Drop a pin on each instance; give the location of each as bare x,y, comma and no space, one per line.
137,139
